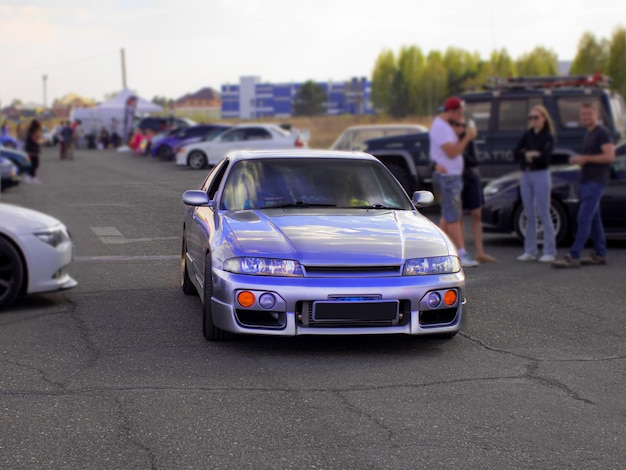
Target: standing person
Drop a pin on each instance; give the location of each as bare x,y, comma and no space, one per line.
595,162
32,147
446,151
534,152
80,135
68,139
472,195
62,143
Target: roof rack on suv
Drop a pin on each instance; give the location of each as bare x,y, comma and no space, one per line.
571,81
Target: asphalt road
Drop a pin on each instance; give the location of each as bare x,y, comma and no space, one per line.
116,374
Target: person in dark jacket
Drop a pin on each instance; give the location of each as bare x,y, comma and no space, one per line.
32,148
534,151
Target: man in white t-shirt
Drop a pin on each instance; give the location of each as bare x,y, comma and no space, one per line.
446,152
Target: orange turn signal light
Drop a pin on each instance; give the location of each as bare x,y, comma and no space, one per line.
246,299
449,297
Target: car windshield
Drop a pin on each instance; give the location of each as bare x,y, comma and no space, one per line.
312,182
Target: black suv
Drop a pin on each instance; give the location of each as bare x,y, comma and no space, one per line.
500,113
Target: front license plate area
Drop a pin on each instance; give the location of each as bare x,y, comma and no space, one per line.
370,311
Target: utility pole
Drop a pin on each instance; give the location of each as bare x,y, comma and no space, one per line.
45,91
123,69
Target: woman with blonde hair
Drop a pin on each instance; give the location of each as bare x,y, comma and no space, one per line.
534,151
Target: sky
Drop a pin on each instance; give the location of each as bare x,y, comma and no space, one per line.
174,47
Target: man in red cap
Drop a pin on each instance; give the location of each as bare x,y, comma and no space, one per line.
446,152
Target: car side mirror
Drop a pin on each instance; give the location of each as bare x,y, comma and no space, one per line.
423,198
197,198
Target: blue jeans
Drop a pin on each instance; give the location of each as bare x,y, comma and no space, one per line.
535,187
589,220
450,188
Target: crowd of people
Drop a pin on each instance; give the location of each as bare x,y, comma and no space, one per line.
457,180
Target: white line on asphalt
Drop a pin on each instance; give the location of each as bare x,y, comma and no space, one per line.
112,236
109,259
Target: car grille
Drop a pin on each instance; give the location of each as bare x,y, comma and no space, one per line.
353,312
352,271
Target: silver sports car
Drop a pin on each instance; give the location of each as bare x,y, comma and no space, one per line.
314,242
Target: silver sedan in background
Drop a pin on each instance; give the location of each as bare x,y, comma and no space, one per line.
310,242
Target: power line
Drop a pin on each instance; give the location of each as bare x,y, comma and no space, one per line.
58,64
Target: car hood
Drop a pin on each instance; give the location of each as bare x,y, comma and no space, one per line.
331,237
19,220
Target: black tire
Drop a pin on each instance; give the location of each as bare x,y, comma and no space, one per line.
403,176
197,160
185,281
559,220
210,331
164,152
11,273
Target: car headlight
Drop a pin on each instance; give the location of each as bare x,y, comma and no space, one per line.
263,266
53,237
491,189
434,265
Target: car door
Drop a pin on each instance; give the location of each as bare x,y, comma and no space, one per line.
614,198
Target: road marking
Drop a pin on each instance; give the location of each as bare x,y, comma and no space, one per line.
112,259
112,236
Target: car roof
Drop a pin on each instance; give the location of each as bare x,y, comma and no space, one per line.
385,126
239,155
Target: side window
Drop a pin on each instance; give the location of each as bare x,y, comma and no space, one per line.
618,169
480,113
235,135
215,178
257,133
569,110
513,114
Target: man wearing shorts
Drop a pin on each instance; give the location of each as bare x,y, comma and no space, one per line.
446,152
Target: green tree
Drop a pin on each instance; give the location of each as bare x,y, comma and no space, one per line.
411,64
310,100
616,67
382,80
592,55
435,83
538,62
462,67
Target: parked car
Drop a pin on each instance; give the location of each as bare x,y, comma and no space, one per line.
35,250
9,174
500,114
158,124
240,137
355,137
164,148
9,142
50,137
209,136
297,242
20,159
503,210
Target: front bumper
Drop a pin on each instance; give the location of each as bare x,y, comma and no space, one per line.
47,266
181,158
291,314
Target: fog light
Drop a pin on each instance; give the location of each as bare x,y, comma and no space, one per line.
246,299
450,297
267,301
433,300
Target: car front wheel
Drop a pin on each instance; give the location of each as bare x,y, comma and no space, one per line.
197,160
11,272
164,152
559,222
211,332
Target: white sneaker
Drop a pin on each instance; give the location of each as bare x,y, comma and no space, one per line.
27,179
35,180
467,261
547,259
527,257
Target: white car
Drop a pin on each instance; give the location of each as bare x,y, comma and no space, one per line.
241,137
35,250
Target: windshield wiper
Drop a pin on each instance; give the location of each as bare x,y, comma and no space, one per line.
299,204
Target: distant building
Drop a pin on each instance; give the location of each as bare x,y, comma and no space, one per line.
205,101
251,99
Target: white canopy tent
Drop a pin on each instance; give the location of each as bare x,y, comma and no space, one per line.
119,102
